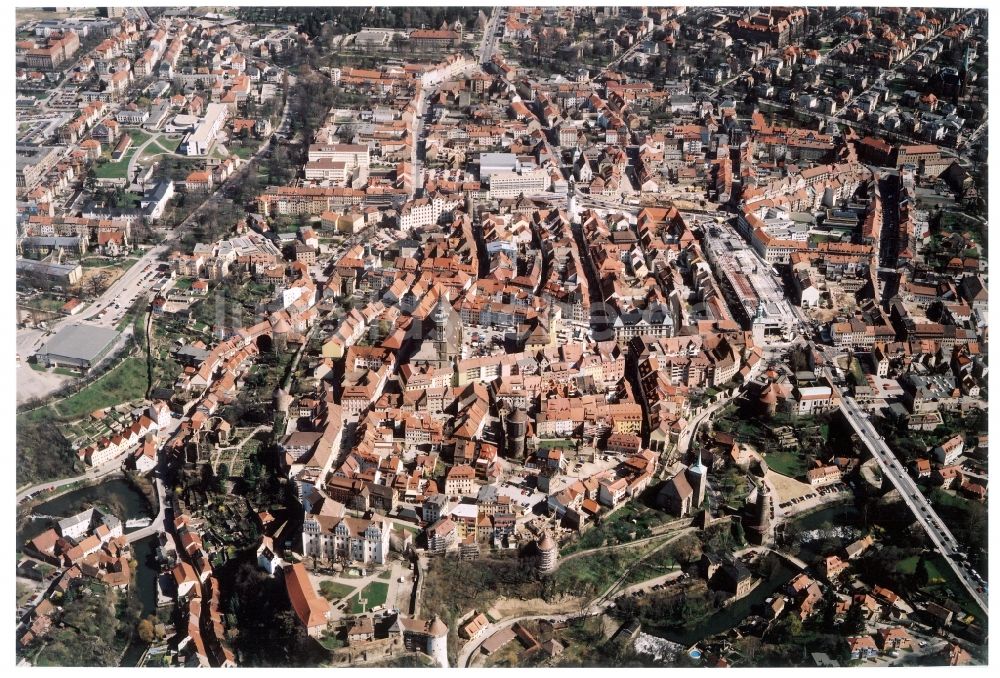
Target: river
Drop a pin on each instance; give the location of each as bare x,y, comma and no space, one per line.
843,517
731,616
116,494
147,570
125,502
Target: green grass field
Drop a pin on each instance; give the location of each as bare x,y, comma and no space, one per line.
936,570
161,146
940,497
243,152
125,382
118,169
789,464
114,170
331,590
556,443
374,595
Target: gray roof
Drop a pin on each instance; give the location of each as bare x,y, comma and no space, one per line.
193,352
52,241
26,156
487,493
83,342
82,517
33,266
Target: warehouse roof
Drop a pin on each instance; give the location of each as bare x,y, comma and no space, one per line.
82,342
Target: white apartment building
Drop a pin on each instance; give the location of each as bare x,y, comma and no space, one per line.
514,184
338,163
200,141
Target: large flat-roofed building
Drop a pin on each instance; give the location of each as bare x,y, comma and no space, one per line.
513,184
58,274
491,163
32,164
78,346
201,140
338,163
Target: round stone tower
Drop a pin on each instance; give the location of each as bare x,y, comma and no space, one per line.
282,401
437,638
280,332
517,429
549,551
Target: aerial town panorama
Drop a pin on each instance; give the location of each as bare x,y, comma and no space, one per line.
501,336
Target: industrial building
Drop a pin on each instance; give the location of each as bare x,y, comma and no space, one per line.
77,346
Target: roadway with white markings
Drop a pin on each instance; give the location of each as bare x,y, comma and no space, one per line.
928,519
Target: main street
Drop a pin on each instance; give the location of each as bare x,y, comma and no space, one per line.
926,517
488,44
133,283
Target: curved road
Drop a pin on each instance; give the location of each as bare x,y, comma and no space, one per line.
132,283
93,473
594,607
154,138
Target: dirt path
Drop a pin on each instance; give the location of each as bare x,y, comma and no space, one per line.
506,607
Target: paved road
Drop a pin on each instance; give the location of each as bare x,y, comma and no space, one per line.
156,526
133,283
94,473
153,139
488,44
928,519
596,606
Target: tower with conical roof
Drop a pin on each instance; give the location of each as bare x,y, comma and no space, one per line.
282,401
279,331
437,639
549,552
517,429
758,517
446,331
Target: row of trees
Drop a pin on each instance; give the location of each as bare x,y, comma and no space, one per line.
329,21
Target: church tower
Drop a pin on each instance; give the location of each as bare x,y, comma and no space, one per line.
446,333
698,478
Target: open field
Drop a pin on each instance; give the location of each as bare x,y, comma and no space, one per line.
369,597
787,488
126,381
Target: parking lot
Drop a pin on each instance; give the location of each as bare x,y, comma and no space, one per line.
111,314
818,494
522,489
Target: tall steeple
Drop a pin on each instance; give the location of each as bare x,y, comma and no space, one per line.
698,478
698,467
